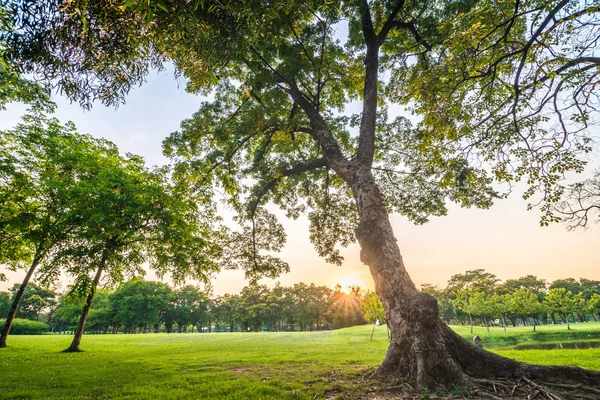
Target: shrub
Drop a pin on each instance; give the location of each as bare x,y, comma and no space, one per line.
25,327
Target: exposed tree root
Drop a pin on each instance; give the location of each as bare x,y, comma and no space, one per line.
499,389
426,352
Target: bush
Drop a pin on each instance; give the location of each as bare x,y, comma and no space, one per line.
25,327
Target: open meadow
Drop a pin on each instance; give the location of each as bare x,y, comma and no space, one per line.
300,365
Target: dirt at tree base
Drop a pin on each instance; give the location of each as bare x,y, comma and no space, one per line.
496,389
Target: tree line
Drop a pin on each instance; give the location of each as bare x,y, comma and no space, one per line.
479,297
143,306
475,297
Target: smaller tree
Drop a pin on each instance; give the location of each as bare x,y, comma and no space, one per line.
527,304
4,304
34,301
562,302
481,304
41,201
128,215
140,304
594,304
373,309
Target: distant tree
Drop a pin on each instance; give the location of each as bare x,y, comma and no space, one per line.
372,309
139,305
35,300
301,298
102,313
481,304
4,304
569,284
477,280
66,315
275,307
465,302
230,310
529,282
321,303
526,304
502,306
188,306
253,305
589,288
594,304
562,302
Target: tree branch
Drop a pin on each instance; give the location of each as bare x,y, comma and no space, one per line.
295,170
366,138
320,131
412,28
389,24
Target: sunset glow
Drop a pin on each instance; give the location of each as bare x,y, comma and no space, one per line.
346,282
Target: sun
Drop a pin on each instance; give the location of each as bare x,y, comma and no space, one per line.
346,282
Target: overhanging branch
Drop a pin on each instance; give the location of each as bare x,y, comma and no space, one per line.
295,170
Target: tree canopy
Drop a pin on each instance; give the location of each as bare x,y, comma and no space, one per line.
71,204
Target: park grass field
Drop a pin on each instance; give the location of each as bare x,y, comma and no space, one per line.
305,365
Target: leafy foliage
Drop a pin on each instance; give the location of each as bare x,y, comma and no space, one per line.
35,301
278,75
4,304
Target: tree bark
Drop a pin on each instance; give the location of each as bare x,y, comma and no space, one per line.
15,304
74,347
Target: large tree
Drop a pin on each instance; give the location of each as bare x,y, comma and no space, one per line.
134,215
280,128
42,201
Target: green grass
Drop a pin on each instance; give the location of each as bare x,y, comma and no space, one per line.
219,366
497,338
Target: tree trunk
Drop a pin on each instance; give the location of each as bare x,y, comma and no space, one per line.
15,304
471,322
423,349
74,347
373,330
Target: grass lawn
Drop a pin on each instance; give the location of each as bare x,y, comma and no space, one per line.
223,365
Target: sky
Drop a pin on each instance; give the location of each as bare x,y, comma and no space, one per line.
506,240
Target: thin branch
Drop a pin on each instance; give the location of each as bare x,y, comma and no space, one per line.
295,170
